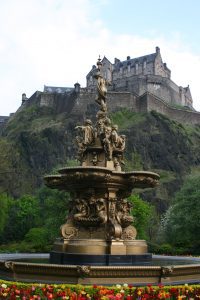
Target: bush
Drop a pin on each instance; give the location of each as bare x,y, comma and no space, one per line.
37,236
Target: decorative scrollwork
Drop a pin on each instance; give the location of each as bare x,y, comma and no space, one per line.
167,270
9,265
83,270
68,231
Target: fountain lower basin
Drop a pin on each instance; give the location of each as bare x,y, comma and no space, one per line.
171,270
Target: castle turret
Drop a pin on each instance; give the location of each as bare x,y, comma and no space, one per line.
24,98
77,87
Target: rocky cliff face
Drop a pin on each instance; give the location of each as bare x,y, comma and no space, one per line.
36,140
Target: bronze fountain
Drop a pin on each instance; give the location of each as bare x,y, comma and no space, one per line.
98,243
98,229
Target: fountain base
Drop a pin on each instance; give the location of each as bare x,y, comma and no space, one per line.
100,252
169,271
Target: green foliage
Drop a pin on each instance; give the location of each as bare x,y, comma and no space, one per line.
53,210
24,247
167,249
166,176
72,163
178,106
10,167
32,221
181,224
134,163
126,118
5,203
38,238
31,118
142,212
23,215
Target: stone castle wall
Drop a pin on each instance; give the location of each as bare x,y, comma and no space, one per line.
161,87
82,105
149,102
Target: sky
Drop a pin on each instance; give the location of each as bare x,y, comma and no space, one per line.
56,42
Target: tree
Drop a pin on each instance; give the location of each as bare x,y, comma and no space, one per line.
53,209
181,224
23,215
142,212
5,202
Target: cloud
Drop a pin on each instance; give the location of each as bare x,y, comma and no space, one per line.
55,42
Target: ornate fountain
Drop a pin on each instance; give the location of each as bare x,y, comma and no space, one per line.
98,243
98,229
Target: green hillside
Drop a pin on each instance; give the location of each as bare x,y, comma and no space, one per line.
36,141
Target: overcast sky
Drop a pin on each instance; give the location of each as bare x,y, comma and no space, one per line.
55,42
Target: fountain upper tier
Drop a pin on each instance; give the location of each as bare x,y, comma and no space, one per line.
82,177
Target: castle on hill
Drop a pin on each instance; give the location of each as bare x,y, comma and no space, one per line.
141,84
143,74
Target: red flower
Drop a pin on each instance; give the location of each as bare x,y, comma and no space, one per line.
130,286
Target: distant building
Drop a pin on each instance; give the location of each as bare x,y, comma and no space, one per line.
140,75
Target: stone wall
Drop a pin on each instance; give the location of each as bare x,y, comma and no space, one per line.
149,102
82,105
85,103
161,87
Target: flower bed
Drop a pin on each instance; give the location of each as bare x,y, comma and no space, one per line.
15,290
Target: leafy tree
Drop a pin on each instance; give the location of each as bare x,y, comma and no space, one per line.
142,212
23,215
5,202
181,224
38,238
53,210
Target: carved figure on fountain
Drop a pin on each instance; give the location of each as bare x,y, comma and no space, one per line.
87,132
90,211
101,87
124,212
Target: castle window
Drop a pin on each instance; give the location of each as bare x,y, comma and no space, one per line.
120,70
144,64
129,68
91,78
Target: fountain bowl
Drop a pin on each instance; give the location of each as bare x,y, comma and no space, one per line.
170,270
